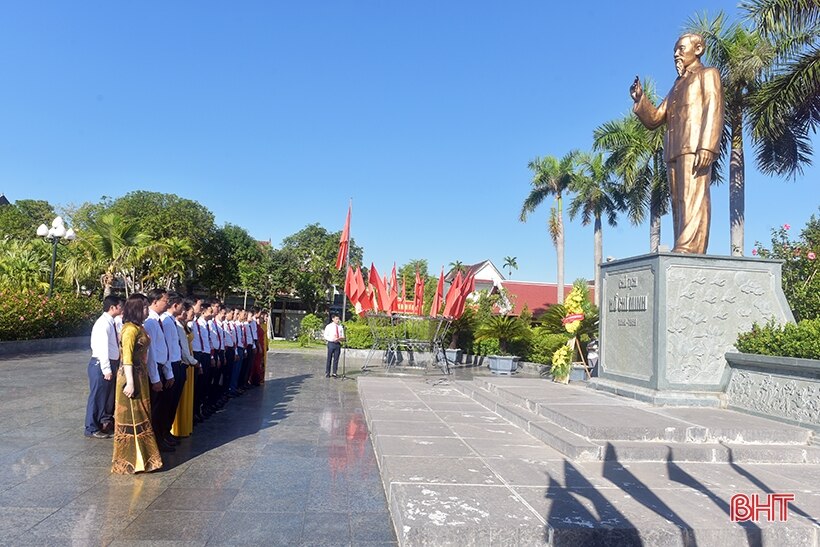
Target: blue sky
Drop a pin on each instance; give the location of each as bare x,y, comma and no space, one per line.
274,114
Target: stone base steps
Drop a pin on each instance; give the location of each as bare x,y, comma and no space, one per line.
560,416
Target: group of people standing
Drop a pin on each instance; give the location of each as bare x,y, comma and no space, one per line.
161,363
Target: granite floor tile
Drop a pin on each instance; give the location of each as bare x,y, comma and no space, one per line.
173,526
194,499
372,527
255,528
326,528
15,521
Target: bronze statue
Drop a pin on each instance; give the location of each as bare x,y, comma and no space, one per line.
693,113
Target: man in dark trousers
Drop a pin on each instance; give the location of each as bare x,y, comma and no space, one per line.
102,371
334,335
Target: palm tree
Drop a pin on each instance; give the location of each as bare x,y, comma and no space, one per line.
511,264
457,266
112,243
595,197
636,156
23,267
741,55
169,260
785,111
551,177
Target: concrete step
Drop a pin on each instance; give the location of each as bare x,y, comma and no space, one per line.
630,436
571,445
639,422
636,451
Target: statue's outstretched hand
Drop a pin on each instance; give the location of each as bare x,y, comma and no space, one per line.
635,90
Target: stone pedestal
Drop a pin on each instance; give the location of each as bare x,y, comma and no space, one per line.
667,320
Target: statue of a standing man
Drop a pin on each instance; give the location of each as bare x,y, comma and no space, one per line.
693,113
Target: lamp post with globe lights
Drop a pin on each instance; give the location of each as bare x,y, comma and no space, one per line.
54,235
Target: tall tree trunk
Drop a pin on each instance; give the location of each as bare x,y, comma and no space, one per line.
654,216
737,198
559,245
654,231
598,253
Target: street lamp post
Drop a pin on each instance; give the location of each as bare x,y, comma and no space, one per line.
54,235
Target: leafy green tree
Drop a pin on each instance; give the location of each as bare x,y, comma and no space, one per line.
551,177
595,197
314,251
785,110
275,274
457,266
741,55
407,272
19,220
216,268
636,157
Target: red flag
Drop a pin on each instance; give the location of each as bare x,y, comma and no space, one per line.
365,302
350,285
403,295
418,293
394,291
344,242
437,296
383,297
467,287
452,296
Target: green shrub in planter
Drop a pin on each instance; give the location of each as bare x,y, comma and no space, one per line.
801,340
33,315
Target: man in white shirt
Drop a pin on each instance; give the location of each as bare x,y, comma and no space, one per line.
157,304
102,371
202,353
172,341
334,334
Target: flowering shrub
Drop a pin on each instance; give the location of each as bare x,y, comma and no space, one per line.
801,282
32,315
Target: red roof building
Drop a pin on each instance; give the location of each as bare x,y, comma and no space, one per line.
535,296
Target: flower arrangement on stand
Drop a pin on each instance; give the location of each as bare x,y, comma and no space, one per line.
575,306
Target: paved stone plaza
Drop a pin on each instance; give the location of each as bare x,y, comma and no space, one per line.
467,459
289,463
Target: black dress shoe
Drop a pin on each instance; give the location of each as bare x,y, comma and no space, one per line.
327,375
335,375
170,442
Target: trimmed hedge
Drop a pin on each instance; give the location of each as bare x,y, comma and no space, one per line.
801,340
33,315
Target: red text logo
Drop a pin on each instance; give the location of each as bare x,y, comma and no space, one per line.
775,507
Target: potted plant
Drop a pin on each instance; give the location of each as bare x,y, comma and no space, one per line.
507,330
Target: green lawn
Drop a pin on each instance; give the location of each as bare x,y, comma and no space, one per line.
292,344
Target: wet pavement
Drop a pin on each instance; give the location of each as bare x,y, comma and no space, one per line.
289,463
